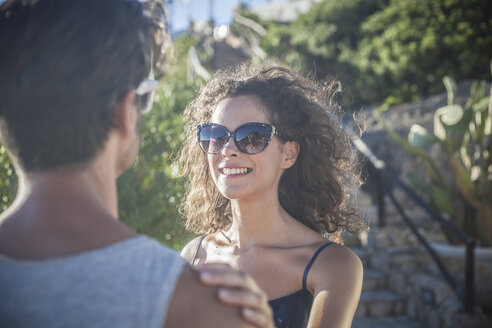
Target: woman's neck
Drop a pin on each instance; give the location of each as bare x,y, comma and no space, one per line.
257,221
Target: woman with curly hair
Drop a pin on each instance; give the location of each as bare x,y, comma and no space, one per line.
270,171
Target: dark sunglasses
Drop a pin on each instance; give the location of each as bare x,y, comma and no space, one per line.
145,91
249,138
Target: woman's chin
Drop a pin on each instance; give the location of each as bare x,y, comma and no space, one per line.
233,192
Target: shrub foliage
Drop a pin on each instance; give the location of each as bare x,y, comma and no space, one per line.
387,49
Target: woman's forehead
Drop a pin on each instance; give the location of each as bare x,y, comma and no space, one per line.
239,110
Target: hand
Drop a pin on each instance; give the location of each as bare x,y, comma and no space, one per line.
238,289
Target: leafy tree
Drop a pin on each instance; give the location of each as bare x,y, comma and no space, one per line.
410,45
387,49
323,40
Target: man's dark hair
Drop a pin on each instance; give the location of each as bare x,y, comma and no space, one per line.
64,66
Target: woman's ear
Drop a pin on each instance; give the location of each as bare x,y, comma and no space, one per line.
291,152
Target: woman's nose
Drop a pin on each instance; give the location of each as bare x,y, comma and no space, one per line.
230,149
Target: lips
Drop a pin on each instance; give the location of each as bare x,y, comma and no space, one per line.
232,171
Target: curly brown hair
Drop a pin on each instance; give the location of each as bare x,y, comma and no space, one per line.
316,189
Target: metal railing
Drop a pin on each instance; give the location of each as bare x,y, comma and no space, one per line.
386,175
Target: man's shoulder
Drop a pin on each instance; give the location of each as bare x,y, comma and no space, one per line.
146,249
147,244
196,305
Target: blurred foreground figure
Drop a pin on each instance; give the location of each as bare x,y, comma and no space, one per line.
76,76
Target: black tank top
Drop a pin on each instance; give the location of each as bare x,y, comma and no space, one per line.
291,311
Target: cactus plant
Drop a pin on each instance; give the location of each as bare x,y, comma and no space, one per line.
463,134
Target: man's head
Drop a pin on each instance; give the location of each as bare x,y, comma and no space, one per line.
65,65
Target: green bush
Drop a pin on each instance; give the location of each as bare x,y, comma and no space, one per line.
389,50
323,40
409,45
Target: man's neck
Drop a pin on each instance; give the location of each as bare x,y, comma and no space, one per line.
67,185
62,212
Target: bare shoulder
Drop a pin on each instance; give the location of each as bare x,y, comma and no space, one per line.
189,250
196,305
342,255
341,265
336,281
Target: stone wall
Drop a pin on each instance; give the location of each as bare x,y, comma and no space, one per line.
412,274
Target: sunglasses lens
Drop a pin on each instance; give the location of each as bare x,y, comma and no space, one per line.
145,92
212,138
146,102
252,139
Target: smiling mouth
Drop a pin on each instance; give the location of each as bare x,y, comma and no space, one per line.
235,171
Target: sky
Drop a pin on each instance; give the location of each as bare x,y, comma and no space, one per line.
180,10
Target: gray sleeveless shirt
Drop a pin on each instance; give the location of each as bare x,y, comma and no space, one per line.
126,284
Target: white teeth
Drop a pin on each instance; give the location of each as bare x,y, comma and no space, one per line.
234,171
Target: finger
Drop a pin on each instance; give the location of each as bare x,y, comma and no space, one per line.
255,308
243,298
259,319
233,279
213,267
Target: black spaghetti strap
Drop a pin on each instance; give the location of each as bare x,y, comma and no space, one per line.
304,277
197,248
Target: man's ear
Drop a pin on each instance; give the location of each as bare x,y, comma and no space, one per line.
125,113
291,152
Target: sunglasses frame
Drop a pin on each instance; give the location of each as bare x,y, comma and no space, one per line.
232,134
147,87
